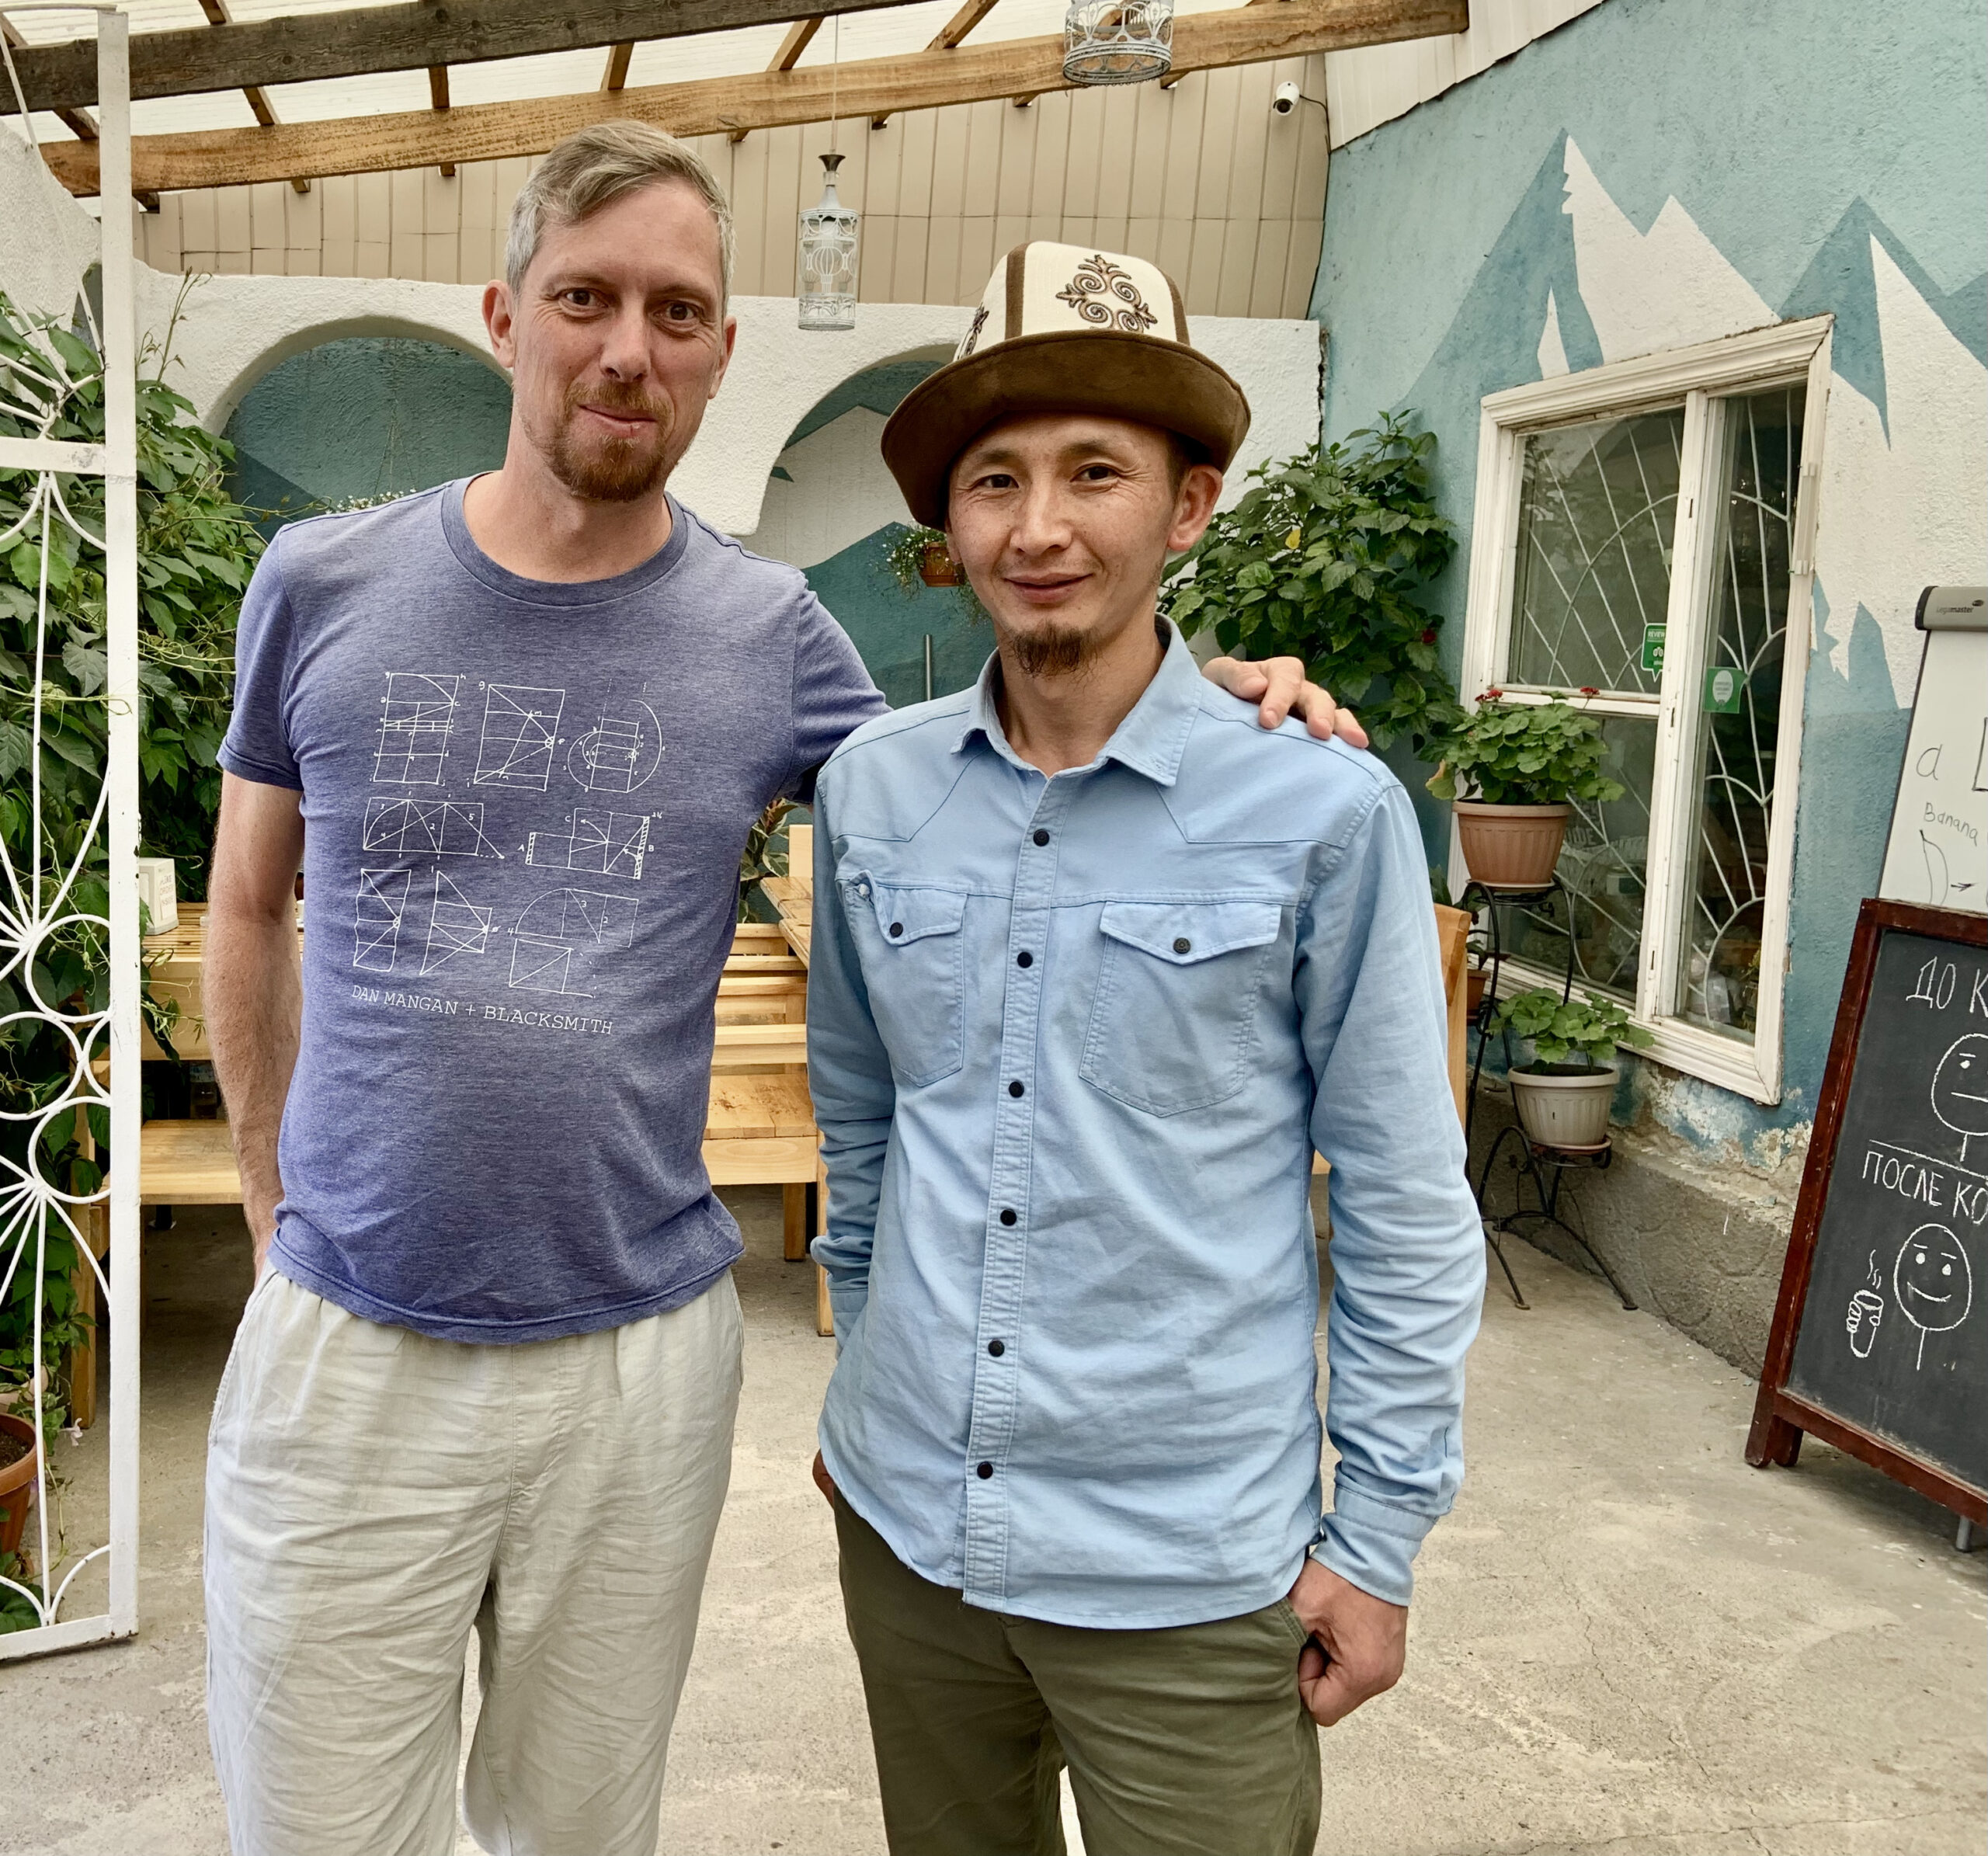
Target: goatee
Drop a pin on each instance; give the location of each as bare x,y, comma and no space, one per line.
1052,651
619,470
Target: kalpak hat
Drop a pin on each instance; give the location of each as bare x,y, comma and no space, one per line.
1063,328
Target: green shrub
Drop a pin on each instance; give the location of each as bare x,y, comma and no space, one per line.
1321,561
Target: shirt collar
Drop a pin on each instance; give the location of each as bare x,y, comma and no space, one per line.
1149,740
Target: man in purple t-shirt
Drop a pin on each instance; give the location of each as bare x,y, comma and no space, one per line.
515,731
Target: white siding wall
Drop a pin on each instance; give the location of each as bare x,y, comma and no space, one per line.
1201,179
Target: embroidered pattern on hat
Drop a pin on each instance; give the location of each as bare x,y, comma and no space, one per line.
1123,308
973,335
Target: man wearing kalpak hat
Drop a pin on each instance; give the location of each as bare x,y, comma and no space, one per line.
1097,963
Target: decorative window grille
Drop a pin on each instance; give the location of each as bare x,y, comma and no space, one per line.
76,1581
1644,530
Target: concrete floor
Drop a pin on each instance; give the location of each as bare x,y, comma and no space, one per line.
1624,1638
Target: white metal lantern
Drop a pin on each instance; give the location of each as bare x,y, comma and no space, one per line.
1117,41
830,233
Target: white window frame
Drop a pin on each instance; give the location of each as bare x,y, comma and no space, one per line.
1786,355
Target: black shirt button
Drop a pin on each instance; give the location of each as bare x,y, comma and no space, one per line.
996,1349
1181,943
983,1471
1040,835
1007,1214
1024,959
897,928
1014,1088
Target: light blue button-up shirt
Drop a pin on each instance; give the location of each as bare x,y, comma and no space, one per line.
1072,1042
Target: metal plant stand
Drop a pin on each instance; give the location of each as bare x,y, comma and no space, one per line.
1546,1166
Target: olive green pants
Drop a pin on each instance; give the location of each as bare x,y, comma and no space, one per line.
1184,1742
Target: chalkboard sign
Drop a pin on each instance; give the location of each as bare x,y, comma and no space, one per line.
1880,1338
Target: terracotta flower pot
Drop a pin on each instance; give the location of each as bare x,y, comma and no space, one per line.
1511,846
17,1482
1475,982
1563,1105
937,568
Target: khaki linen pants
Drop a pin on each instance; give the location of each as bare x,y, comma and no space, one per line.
372,1494
1186,1742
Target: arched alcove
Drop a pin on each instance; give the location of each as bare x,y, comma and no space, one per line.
361,417
833,509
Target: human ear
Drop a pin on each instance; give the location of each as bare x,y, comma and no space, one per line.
1193,507
497,320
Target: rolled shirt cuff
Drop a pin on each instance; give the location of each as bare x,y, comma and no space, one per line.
1371,1544
847,1298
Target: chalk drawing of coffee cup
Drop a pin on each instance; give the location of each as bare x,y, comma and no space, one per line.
1933,1282
1866,1311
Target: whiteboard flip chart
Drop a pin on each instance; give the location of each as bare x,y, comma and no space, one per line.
1938,853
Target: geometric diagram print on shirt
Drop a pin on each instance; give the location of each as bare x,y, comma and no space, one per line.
456,925
435,828
563,923
601,843
415,716
520,729
620,751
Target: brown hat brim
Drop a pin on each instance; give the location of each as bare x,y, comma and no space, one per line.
1139,377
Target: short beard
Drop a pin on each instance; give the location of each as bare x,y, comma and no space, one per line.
1053,650
623,469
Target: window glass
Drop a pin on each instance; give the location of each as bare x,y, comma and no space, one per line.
1602,864
1738,695
1598,507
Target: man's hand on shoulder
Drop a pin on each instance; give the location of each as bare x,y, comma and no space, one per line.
1359,1643
1278,687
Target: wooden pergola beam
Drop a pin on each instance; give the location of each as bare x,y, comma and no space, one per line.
949,35
924,80
410,35
800,35
77,120
259,105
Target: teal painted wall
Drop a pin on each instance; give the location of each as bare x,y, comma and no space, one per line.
366,417
1653,168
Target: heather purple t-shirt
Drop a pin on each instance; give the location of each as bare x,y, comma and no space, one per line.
524,804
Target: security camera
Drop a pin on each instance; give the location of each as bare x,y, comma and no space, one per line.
1284,99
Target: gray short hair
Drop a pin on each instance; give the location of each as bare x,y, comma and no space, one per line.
594,169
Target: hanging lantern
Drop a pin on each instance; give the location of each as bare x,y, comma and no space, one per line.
829,236
1117,41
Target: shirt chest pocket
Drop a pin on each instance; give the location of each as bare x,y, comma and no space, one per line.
1173,1023
908,940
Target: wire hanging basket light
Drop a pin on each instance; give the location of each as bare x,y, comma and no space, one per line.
830,234
1117,41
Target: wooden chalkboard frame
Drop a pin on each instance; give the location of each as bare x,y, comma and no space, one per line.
1782,1416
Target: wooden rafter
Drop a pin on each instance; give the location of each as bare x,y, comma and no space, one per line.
438,98
800,35
950,34
410,35
76,120
924,80
616,76
259,105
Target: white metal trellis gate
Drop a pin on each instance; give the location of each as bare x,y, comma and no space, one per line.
40,901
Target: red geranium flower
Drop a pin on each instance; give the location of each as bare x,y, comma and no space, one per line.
1492,696
1429,637
1590,690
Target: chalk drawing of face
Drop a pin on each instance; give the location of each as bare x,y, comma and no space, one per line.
1960,1087
1933,1282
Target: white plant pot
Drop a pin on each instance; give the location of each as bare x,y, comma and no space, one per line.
1569,1110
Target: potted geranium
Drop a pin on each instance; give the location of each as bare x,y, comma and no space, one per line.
1509,770
1563,1096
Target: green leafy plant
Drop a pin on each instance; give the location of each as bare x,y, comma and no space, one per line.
1523,754
197,550
1584,1031
1321,561
904,555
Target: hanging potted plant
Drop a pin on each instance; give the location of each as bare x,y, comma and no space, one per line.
20,1458
1563,1096
917,557
1509,770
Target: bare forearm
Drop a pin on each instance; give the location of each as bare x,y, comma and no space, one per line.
252,994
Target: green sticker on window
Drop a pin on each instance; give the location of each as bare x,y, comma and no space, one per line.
1653,649
1724,686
